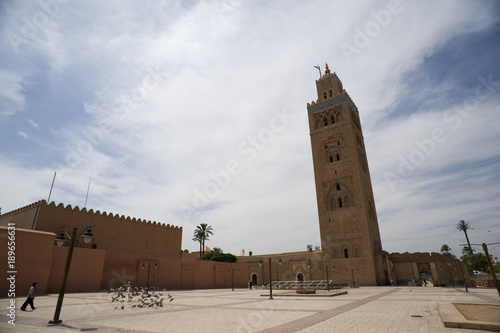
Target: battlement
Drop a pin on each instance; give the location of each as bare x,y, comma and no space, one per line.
417,256
84,210
22,209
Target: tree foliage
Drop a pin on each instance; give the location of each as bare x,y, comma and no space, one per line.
197,237
446,251
476,261
218,255
464,226
201,234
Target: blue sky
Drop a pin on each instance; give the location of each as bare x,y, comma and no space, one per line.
195,112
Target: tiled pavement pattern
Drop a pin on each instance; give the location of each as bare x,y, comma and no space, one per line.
365,309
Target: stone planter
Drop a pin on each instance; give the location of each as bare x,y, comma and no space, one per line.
305,291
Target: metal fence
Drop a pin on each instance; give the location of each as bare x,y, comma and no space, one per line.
313,284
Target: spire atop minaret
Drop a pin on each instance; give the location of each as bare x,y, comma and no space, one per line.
327,70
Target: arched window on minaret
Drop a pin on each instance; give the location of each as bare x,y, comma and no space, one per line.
325,121
332,119
324,94
346,253
340,202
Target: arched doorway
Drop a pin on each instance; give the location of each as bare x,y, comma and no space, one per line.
300,277
254,279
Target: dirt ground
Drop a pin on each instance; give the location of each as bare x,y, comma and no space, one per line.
479,312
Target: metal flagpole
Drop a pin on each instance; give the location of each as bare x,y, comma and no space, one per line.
88,188
53,180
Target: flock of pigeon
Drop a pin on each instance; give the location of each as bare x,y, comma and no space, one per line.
143,297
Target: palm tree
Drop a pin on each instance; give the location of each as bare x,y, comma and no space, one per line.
446,251
464,226
197,237
445,248
204,231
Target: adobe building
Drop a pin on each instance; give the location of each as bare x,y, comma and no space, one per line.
351,248
123,249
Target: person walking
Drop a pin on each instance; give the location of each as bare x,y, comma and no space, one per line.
31,297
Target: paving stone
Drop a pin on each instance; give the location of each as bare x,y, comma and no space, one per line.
365,309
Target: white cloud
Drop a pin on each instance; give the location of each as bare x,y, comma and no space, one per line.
12,100
171,92
22,134
33,123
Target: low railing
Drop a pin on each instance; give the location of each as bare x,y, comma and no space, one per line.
313,284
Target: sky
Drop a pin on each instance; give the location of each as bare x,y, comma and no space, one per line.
189,112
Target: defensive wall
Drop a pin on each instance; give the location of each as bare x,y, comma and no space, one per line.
112,232
123,249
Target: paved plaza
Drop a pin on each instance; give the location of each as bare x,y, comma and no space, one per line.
365,309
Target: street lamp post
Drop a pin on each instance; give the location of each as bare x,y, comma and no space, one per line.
87,236
485,248
280,262
463,277
327,281
232,279
270,281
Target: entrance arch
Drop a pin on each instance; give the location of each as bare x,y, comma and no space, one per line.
254,279
300,277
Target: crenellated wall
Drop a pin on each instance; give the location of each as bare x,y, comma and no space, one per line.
112,232
24,217
443,270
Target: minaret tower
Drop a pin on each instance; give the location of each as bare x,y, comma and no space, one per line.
350,237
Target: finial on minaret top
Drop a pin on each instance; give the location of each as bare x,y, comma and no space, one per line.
327,70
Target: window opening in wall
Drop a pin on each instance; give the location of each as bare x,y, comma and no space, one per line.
338,157
335,171
331,93
331,158
325,122
346,253
338,143
338,187
324,95
340,202
332,119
